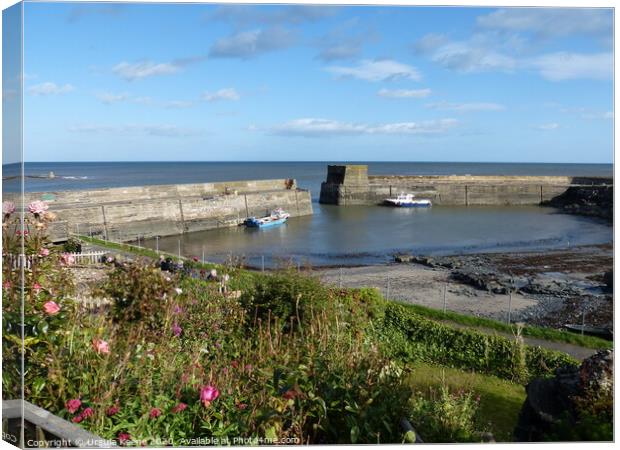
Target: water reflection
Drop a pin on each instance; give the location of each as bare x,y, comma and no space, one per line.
369,234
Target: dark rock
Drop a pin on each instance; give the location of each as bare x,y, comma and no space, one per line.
553,399
596,201
403,258
608,279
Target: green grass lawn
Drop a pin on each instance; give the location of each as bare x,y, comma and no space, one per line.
500,400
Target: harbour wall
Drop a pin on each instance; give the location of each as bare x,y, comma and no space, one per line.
351,185
126,213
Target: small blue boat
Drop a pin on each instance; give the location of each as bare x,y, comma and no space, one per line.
277,217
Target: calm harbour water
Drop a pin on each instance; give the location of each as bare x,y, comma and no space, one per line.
347,235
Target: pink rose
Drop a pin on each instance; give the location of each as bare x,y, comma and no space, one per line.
38,207
44,252
101,346
123,437
77,419
8,207
178,408
73,405
112,410
51,308
67,259
208,394
155,412
87,412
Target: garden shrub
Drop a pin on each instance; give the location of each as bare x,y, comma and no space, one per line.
445,416
139,291
73,245
285,294
44,291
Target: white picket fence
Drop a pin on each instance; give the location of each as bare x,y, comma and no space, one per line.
81,259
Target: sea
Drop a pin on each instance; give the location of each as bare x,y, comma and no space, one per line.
336,235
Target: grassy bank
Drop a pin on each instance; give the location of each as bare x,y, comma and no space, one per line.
548,334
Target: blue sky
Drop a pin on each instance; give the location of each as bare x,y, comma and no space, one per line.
206,82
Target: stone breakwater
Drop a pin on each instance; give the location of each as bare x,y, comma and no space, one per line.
126,213
351,185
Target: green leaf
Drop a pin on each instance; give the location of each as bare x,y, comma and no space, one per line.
355,433
270,434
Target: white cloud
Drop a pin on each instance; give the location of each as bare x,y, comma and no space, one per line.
570,66
144,69
178,104
404,93
378,70
247,44
607,115
109,98
430,42
547,126
550,22
471,57
49,88
466,107
222,94
149,130
311,127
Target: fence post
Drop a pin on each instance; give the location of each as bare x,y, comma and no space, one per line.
445,289
509,305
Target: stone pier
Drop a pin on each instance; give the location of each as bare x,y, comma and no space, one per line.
351,185
126,213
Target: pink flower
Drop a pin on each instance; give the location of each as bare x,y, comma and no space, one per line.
112,410
155,412
51,308
195,258
242,406
178,408
235,364
36,287
178,309
38,207
101,346
67,259
176,329
208,394
8,207
44,252
87,412
248,367
6,284
77,419
73,405
123,437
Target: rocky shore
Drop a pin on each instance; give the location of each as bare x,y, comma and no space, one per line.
551,288
593,201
